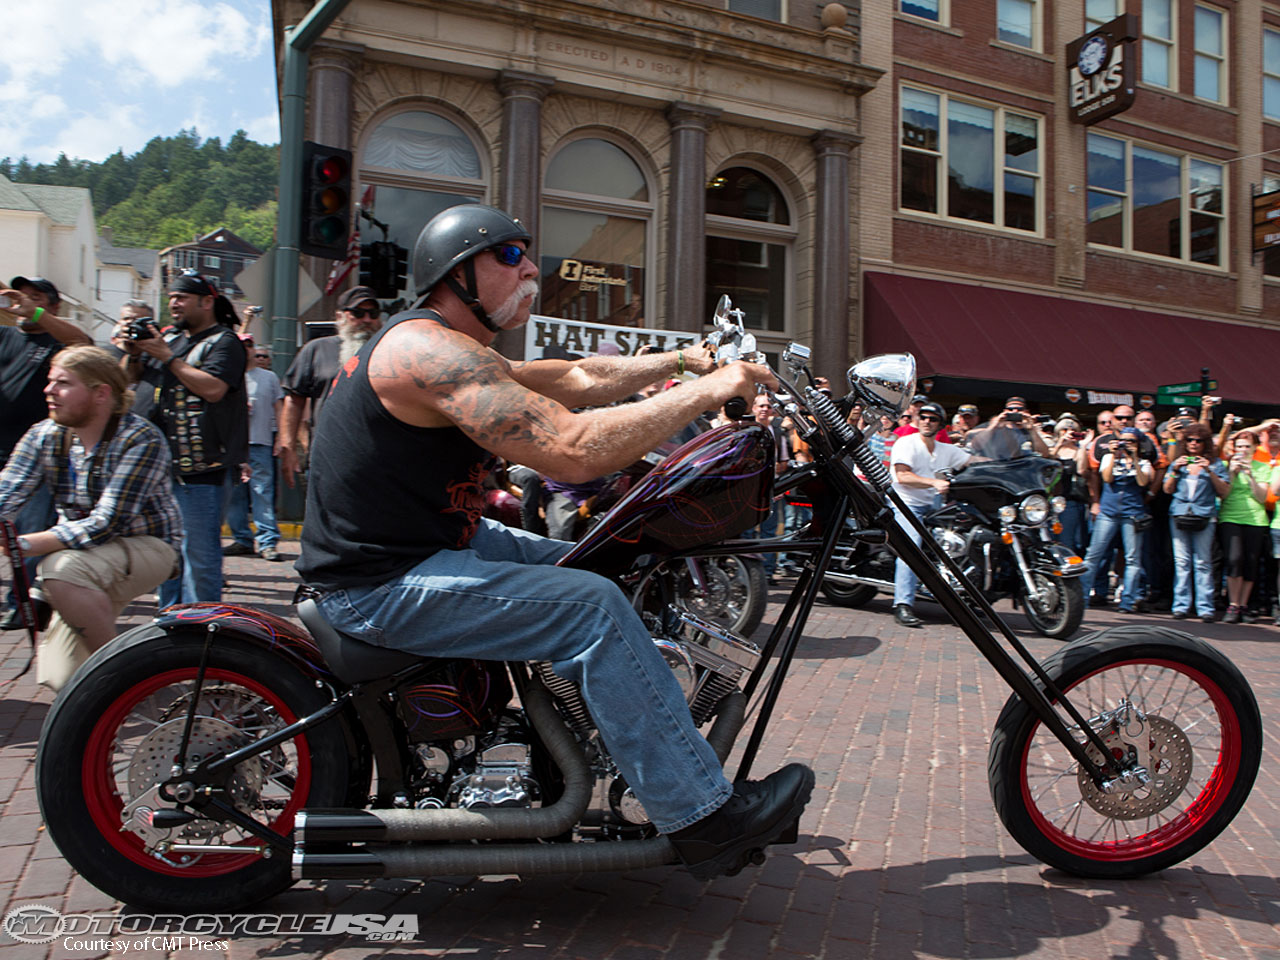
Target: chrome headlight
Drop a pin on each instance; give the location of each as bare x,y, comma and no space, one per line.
1059,504
1035,509
1008,514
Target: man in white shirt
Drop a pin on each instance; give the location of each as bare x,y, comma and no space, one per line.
915,461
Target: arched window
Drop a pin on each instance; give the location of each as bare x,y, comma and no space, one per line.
749,241
417,164
594,246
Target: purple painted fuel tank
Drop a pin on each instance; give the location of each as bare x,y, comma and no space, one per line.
714,487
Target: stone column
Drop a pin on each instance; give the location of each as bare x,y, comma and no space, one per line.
331,77
687,215
832,268
520,166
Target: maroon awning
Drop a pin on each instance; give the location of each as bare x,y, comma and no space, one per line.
981,333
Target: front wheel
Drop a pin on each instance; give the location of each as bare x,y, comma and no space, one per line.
1058,608
1165,699
733,594
111,740
848,594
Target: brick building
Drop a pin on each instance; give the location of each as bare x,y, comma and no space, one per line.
219,255
662,151
1014,250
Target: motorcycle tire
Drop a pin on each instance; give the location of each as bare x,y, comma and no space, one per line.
737,593
1062,622
112,735
1204,734
848,594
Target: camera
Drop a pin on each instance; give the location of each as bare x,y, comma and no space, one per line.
256,311
138,330
1013,416
6,303
1077,434
1213,399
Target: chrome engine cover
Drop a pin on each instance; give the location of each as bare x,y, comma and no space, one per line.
502,777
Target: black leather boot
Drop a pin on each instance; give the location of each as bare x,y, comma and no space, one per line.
736,834
906,616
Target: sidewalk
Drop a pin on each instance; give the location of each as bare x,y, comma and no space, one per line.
900,854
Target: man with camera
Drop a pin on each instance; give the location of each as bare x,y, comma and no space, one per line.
26,352
1126,469
191,385
1010,434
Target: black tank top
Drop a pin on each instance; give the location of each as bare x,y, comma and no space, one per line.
383,495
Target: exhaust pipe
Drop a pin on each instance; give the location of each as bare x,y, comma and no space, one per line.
424,860
394,825
526,859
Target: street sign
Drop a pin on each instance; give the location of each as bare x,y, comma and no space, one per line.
1170,388
1180,400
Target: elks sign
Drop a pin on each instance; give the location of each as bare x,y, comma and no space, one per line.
1102,70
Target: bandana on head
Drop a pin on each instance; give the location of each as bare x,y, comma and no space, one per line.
189,284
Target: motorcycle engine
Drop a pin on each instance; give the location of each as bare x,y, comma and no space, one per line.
495,770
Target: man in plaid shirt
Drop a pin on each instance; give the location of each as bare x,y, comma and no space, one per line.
118,528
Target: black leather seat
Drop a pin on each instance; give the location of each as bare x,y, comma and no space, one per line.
352,660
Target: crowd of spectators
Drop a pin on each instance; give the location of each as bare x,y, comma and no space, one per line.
1170,516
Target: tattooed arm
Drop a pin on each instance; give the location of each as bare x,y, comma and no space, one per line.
430,376
594,381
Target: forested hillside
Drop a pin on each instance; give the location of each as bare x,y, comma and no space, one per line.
173,188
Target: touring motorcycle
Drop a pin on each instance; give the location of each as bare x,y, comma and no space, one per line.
208,759
996,525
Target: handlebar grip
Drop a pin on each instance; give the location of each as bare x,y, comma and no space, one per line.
735,408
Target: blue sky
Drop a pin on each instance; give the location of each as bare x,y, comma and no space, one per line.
88,77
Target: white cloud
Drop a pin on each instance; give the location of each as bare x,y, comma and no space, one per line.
100,135
264,129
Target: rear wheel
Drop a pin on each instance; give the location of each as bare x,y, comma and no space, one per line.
1167,700
112,737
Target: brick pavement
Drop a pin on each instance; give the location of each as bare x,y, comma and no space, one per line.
900,854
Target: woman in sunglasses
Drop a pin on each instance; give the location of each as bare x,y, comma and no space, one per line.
1196,478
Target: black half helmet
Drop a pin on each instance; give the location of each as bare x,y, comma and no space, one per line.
456,235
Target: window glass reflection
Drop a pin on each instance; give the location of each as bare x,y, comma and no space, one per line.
597,167
741,192
970,162
754,275
404,211
592,267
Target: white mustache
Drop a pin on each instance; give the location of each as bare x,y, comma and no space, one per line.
505,314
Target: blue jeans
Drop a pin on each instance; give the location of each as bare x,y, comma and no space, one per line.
1104,531
796,517
1075,526
261,492
36,515
201,577
767,530
498,599
905,580
1193,557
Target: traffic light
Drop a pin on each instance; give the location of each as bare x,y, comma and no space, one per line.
326,201
383,267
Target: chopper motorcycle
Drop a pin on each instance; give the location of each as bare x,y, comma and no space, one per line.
996,525
212,757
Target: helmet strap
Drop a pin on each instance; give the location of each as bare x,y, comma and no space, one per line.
468,295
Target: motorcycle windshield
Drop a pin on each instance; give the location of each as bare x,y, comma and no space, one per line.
1003,481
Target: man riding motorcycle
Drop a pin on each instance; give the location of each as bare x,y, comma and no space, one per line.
397,549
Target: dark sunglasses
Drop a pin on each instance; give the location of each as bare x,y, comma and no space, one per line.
508,254
263,356
1016,409
1121,416
364,311
930,416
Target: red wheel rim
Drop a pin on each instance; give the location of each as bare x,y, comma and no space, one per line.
104,801
1194,815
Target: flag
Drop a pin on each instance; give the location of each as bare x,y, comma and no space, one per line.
341,269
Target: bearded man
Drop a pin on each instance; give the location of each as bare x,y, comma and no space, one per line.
118,526
358,318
